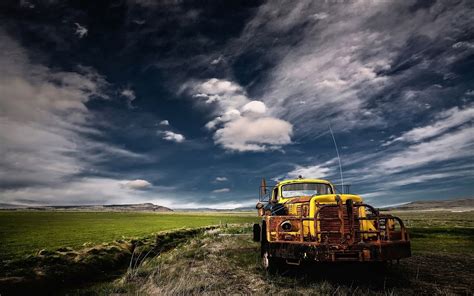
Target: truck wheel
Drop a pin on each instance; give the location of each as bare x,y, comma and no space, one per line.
270,264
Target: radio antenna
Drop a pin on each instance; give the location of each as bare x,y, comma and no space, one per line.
338,157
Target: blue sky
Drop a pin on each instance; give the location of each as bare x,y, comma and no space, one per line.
190,103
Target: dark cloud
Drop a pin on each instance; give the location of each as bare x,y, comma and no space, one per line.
248,89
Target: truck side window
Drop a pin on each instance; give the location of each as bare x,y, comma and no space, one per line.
275,194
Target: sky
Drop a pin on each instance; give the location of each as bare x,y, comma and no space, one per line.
190,103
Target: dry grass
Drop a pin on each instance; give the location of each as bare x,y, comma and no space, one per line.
211,264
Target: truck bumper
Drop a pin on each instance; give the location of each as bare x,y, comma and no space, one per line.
362,252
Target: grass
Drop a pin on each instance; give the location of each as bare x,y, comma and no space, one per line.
25,233
208,263
440,232
219,265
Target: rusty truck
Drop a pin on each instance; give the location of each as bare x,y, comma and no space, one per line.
308,220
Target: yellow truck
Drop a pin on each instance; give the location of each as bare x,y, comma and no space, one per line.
307,220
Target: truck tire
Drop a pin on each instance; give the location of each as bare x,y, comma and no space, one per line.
269,263
257,233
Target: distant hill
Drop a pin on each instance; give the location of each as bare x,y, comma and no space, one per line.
143,207
242,209
453,205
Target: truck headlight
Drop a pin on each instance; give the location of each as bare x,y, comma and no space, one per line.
286,225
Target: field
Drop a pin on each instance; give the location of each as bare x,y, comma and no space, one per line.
226,261
25,233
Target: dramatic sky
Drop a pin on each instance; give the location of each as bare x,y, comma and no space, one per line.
190,103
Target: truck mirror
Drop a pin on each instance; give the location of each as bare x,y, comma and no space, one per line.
263,187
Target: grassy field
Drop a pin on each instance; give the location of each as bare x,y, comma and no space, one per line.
25,233
440,232
214,264
210,263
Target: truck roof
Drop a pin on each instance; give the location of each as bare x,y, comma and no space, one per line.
292,181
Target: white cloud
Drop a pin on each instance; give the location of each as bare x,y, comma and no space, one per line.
221,179
45,127
340,68
129,95
450,146
319,16
174,137
222,190
444,121
310,172
137,184
219,60
241,124
226,117
255,107
254,134
86,191
164,122
81,31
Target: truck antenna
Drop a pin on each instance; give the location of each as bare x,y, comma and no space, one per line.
338,157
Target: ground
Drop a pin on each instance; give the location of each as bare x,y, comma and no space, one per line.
224,260
28,232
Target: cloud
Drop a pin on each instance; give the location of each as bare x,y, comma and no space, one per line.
129,95
85,191
164,122
221,179
450,146
174,137
446,120
218,60
310,172
137,184
255,107
81,31
256,134
241,123
47,137
357,60
319,16
222,190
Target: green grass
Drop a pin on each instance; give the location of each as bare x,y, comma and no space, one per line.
440,232
25,233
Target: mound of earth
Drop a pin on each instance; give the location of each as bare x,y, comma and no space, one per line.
142,207
455,205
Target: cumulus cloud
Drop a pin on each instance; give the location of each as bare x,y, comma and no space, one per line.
81,31
254,134
137,184
221,179
255,107
173,137
221,190
241,124
164,122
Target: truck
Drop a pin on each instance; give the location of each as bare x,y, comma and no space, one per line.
307,220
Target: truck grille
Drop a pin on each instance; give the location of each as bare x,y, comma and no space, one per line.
330,225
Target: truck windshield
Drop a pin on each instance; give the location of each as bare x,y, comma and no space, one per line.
305,189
